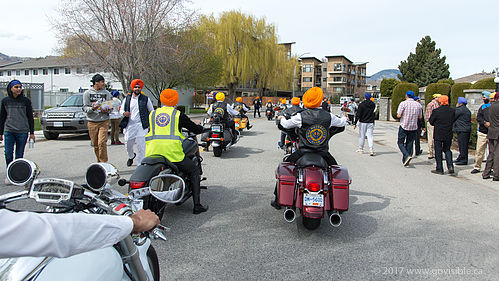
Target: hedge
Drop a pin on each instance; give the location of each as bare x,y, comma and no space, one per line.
457,91
487,83
436,88
398,95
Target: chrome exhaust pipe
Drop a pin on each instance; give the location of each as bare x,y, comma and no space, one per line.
335,219
289,215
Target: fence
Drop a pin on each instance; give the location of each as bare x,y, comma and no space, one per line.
33,91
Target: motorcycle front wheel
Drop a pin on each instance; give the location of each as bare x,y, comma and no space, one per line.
217,151
311,224
152,260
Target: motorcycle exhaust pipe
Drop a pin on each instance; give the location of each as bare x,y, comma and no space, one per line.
335,219
289,215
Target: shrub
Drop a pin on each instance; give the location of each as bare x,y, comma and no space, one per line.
436,88
448,81
399,95
486,84
387,85
457,91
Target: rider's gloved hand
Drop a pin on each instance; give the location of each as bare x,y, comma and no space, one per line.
144,220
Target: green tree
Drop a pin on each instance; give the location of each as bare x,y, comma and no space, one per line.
457,91
399,95
486,84
436,88
425,66
387,85
449,81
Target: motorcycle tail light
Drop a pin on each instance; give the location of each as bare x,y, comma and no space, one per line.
137,184
314,187
214,135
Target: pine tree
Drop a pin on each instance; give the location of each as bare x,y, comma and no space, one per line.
425,66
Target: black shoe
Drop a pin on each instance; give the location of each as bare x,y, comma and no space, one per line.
460,163
430,157
198,209
450,171
486,177
130,161
475,171
274,204
437,172
419,152
250,126
495,179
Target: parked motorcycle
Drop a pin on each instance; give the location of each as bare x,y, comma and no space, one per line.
219,136
313,187
133,258
155,165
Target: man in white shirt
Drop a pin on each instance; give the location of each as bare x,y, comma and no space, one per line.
136,108
27,234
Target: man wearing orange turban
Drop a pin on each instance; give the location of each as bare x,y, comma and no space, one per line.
269,110
242,109
315,128
257,104
135,108
288,113
225,110
442,118
165,138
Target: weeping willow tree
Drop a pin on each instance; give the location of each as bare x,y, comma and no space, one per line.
249,51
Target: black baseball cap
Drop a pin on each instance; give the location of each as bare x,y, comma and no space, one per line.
96,78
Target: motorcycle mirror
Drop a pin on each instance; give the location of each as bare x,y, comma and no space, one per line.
122,182
167,188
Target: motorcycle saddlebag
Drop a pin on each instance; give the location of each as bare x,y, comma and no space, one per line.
341,187
286,181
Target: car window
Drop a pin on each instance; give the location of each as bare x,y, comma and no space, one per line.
73,101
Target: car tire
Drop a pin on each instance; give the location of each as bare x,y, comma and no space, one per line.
50,135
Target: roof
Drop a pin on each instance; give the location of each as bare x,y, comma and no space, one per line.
474,77
313,58
360,63
46,62
340,56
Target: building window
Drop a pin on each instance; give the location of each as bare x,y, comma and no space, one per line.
67,70
1,73
56,71
324,69
337,79
9,73
324,79
307,79
26,72
307,68
344,79
18,72
35,71
344,68
337,67
79,70
63,90
339,89
45,71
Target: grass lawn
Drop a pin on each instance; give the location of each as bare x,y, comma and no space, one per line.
197,110
38,127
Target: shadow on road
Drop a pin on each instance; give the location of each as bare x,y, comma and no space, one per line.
240,152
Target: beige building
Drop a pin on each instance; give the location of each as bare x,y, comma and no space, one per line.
310,73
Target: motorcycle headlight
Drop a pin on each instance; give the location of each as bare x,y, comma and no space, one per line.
22,171
101,176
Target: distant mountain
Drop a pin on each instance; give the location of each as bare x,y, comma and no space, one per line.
4,59
387,73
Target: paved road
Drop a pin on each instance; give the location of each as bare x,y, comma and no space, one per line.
401,220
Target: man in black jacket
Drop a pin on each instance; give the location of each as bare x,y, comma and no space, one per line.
442,119
482,116
365,117
16,121
493,137
462,126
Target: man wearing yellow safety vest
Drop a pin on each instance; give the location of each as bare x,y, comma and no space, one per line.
165,138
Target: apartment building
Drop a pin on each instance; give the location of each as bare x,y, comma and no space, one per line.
336,75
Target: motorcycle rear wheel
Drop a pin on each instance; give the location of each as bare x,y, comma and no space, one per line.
217,151
311,224
152,260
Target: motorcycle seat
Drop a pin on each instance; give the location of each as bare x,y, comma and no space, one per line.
311,159
189,146
159,159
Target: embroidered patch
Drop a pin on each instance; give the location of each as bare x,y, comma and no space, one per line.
163,119
316,134
220,111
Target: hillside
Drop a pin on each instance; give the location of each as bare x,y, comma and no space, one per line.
387,73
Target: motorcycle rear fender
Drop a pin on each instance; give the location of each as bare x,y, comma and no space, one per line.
144,173
313,212
215,143
314,175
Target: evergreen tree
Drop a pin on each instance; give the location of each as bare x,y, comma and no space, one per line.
425,66
387,85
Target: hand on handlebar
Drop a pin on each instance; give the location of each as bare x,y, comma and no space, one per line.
144,220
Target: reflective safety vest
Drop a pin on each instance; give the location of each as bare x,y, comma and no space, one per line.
164,138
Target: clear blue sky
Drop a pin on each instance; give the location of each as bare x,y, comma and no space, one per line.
381,32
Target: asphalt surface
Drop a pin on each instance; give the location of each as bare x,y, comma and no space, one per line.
403,223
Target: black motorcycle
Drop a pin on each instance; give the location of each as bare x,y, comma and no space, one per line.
156,165
218,135
269,113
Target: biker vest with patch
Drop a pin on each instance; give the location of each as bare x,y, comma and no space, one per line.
143,110
164,137
220,108
314,131
269,105
238,106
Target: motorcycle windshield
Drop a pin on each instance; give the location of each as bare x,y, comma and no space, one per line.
15,269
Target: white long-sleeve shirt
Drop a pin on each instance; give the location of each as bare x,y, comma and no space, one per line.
230,110
27,234
295,121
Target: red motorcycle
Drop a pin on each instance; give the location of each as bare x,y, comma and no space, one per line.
314,188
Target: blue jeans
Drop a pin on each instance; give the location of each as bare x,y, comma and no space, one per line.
19,139
406,142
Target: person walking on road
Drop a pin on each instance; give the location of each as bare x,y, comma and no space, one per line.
462,126
417,141
442,118
493,137
408,111
135,109
482,116
97,118
352,109
16,121
115,119
257,104
429,128
365,117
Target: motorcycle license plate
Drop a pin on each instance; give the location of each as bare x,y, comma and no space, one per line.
58,124
313,200
216,128
237,125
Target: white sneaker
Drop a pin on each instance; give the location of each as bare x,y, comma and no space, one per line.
7,182
372,153
360,151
